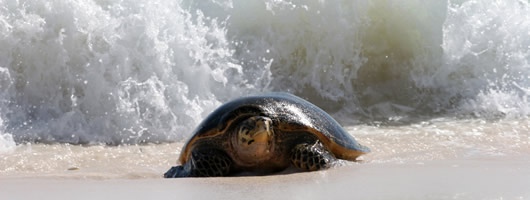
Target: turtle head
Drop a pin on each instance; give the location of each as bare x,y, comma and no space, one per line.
254,137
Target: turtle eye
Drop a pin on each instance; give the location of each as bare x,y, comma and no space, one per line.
244,130
247,126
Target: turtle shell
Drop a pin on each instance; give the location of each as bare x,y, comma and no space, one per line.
289,113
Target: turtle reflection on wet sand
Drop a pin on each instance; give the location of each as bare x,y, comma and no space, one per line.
265,134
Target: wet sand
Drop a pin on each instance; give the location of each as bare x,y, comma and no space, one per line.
435,160
449,179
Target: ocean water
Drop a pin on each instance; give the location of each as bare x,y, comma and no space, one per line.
414,80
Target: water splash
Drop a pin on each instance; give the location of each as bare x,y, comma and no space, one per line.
113,72
133,72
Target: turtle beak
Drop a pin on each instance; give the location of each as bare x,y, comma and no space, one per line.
263,133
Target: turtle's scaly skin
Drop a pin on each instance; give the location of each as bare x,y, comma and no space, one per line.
208,162
303,135
311,157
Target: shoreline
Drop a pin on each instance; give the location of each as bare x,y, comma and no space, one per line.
442,179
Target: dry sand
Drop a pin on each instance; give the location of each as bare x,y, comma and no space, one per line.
448,179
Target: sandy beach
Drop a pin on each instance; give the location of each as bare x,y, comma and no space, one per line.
450,179
98,97
435,160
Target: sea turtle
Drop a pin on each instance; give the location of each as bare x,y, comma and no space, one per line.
265,133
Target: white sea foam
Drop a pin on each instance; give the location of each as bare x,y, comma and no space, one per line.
7,143
149,71
112,71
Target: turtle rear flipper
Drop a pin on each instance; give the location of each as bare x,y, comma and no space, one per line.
311,157
176,171
203,163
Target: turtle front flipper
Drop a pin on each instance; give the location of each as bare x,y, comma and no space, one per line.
311,157
203,163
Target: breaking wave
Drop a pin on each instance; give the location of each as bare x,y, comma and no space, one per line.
127,72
